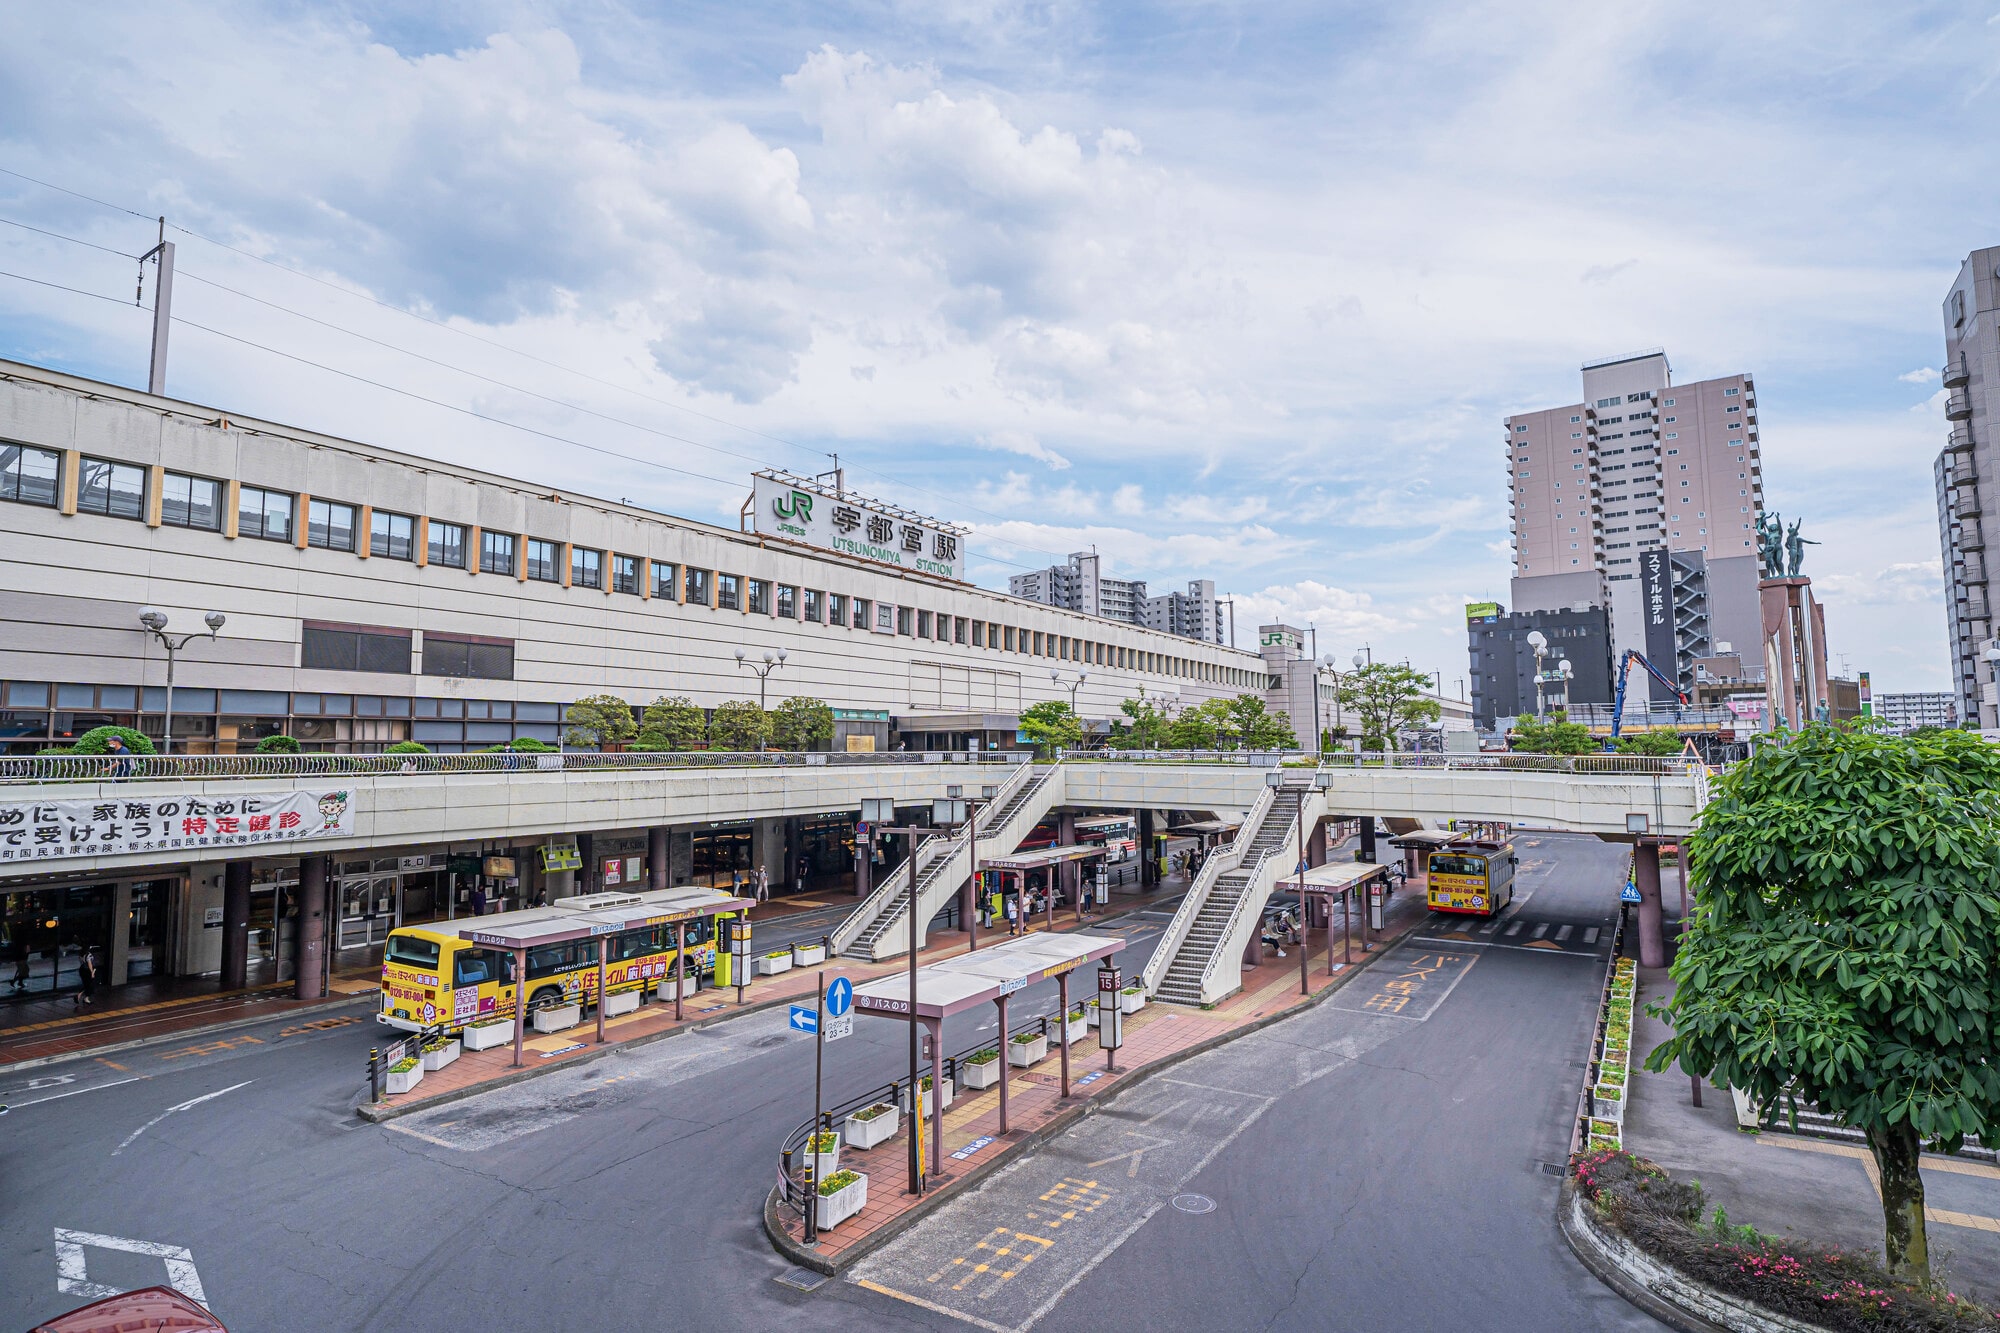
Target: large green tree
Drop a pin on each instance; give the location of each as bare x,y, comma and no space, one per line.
1052,724
1256,727
800,723
599,720
1389,698
1146,726
739,725
1200,727
1660,744
1554,734
672,723
1845,946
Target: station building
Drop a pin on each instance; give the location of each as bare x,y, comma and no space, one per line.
373,597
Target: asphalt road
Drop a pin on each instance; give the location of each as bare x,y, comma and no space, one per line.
1367,1169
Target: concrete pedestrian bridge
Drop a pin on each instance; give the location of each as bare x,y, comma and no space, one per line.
61,815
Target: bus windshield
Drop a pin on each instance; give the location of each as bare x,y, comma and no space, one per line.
413,950
1458,864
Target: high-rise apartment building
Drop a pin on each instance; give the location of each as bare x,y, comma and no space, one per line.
1194,614
1968,485
1907,712
1081,585
1644,499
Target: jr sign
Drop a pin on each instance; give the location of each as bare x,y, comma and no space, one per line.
803,510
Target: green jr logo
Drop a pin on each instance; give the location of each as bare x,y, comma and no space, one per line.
798,505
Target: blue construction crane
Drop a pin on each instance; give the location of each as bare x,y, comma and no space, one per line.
1624,671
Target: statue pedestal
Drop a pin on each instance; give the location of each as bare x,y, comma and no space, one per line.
1794,651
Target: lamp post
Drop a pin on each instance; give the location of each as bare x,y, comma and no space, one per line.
1993,662
154,622
1539,643
1072,687
772,661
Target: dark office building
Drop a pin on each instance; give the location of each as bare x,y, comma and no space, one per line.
1503,664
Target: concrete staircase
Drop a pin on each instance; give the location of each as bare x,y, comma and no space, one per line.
880,927
1245,874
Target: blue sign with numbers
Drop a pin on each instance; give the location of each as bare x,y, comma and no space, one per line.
839,997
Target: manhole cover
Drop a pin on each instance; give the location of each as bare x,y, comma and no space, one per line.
1194,1203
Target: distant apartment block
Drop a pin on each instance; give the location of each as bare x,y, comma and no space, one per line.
1643,499
1968,485
1081,585
1907,712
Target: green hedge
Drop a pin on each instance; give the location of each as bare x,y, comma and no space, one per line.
278,745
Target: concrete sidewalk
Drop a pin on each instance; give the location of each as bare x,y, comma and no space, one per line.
1815,1189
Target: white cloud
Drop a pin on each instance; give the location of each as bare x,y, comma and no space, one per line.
1921,375
1022,443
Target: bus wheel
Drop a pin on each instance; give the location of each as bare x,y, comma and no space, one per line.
546,998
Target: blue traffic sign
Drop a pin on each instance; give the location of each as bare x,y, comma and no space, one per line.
804,1018
1630,893
839,997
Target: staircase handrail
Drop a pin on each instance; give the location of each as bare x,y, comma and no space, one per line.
1204,884
1227,947
946,865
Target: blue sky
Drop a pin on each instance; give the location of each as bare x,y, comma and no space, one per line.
1228,291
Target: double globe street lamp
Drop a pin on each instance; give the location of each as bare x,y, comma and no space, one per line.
154,621
772,661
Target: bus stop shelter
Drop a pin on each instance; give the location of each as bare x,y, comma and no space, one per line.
972,979
1417,847
598,916
1320,886
1019,864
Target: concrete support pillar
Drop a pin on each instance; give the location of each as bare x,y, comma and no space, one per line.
1316,845
1253,952
1070,872
937,1092
656,858
1646,872
117,959
311,958
1149,871
864,867
586,878
236,925
1367,852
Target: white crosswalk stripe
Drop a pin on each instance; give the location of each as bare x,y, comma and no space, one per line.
1590,935
1515,929
1541,930
1564,933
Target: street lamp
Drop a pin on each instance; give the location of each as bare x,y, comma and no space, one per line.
772,661
1539,643
1993,661
1072,687
154,622
1567,673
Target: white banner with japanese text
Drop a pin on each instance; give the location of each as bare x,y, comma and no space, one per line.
51,830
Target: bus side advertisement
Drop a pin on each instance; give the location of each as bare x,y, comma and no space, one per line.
1458,893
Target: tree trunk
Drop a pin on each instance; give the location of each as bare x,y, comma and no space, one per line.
1896,1150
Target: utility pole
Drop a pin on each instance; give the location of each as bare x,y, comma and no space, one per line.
163,309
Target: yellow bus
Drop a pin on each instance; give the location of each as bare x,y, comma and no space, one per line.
434,981
1475,880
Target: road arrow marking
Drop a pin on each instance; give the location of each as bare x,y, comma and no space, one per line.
191,1102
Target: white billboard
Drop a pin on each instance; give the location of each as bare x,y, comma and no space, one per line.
113,826
803,510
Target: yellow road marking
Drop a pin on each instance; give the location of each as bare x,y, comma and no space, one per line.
1930,1161
933,1306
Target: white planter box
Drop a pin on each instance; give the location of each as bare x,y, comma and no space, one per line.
556,1017
805,955
927,1098
436,1060
1131,1003
1090,1014
403,1082
866,1134
826,1163
488,1035
1078,1030
837,1207
622,1002
665,989
979,1076
767,966
1024,1053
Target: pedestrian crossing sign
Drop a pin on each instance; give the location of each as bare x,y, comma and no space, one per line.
1630,894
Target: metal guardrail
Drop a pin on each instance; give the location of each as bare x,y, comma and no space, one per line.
1474,763
104,768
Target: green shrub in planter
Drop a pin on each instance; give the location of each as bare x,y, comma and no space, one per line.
985,1057
837,1182
437,1043
823,1142
408,747
98,741
404,1065
278,745
878,1109
1025,1038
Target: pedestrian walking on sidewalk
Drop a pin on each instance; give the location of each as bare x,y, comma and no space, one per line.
736,883
1013,912
121,754
86,976
763,885
478,899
